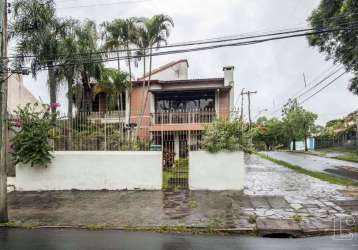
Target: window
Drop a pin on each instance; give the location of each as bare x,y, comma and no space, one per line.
185,101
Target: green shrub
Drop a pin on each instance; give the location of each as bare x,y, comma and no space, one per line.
182,163
224,135
32,127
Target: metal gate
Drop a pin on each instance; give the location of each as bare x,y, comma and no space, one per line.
175,148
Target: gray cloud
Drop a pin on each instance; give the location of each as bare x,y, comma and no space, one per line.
274,69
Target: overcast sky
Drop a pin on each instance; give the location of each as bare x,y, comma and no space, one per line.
274,69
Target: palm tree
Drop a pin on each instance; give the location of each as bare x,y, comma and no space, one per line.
70,69
90,65
152,33
120,34
115,82
69,72
38,33
79,65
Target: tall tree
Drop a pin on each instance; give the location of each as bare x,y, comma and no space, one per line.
115,83
270,132
298,122
91,65
70,69
152,33
121,34
38,33
69,72
340,45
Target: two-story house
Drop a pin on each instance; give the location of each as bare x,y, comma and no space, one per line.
173,109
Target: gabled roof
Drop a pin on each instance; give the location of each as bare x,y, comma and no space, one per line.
164,67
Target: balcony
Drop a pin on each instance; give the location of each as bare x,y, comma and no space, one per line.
107,117
183,117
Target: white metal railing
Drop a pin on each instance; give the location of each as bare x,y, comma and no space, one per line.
180,117
107,131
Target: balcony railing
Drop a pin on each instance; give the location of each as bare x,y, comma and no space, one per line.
180,117
107,117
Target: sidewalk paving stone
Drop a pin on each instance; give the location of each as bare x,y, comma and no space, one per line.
272,197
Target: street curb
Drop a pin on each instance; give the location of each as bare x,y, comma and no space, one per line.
268,232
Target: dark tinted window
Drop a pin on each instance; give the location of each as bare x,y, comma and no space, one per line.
185,101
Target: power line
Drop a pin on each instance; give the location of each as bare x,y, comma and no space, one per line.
102,4
325,86
197,48
324,79
199,42
311,88
280,105
214,40
345,54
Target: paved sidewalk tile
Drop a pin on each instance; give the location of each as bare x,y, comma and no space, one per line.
274,197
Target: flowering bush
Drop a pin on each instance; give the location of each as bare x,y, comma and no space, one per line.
32,127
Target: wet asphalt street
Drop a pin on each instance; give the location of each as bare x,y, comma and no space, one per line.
321,164
70,239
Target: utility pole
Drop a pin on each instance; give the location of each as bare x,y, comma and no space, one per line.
3,113
357,131
242,106
304,79
249,93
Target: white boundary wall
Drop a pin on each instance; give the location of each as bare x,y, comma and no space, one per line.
94,170
218,171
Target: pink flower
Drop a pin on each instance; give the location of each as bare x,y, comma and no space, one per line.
55,105
18,123
10,147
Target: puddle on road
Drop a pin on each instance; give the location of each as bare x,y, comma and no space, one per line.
344,171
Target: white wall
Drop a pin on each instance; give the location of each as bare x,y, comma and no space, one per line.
18,94
94,170
178,71
220,171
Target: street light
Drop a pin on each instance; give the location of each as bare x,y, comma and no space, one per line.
357,131
260,112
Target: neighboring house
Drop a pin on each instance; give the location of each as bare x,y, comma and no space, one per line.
174,109
349,124
18,94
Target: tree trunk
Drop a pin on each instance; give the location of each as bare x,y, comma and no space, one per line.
149,78
306,148
53,89
294,144
69,111
130,83
119,102
142,99
148,86
87,95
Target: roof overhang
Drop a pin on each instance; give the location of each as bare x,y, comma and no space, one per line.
190,88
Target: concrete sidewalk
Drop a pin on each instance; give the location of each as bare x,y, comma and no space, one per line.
275,200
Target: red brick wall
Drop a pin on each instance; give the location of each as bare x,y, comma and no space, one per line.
224,105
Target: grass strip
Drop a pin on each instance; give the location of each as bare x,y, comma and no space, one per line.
318,175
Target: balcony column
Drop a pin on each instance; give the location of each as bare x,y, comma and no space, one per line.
128,106
217,103
176,146
152,106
